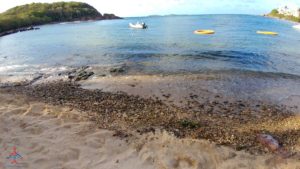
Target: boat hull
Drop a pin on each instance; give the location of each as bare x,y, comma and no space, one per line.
137,26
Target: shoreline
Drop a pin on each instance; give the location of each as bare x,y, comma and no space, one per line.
180,89
234,124
35,27
225,110
48,137
24,29
141,118
274,17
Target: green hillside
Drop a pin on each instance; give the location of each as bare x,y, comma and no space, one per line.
42,13
274,13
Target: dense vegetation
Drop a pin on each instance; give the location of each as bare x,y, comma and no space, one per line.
276,14
41,13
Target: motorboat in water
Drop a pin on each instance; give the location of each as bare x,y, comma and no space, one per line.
297,26
138,25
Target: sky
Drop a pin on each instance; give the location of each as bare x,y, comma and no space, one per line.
126,8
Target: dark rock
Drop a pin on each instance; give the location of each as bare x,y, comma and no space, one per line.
110,16
18,30
242,105
146,130
121,134
81,74
117,70
71,77
193,96
166,95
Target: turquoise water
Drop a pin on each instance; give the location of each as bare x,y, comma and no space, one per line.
168,46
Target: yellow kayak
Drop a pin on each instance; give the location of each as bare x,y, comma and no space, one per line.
204,32
266,33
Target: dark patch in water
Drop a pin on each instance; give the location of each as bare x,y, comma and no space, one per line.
244,58
237,58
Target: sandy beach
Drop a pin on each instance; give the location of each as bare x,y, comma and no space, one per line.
48,136
136,121
84,119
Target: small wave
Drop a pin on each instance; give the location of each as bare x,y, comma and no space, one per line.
32,69
253,74
12,67
54,69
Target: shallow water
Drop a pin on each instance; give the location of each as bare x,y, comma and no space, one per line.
168,46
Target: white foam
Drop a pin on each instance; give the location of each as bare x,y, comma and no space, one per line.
296,26
32,69
51,70
12,67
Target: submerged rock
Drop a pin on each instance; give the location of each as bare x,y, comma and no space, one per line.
81,74
110,16
84,75
117,70
18,30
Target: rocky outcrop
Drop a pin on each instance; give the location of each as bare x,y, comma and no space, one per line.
110,16
80,74
18,30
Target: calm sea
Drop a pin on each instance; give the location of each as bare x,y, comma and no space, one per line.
168,46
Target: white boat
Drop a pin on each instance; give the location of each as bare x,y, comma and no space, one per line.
138,25
297,26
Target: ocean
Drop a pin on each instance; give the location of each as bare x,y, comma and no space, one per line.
168,46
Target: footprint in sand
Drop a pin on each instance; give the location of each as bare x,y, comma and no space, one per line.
14,141
33,145
96,142
41,161
35,130
17,111
35,110
184,162
68,155
36,148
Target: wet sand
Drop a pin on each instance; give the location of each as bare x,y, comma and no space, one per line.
180,89
51,137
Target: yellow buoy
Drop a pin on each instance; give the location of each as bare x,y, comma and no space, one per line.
266,33
204,32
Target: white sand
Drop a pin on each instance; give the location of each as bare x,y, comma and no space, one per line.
50,137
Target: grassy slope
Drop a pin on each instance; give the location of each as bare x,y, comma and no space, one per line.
276,14
42,13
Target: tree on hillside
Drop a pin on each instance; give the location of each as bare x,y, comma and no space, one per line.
41,13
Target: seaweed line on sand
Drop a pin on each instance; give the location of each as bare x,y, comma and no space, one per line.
235,124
